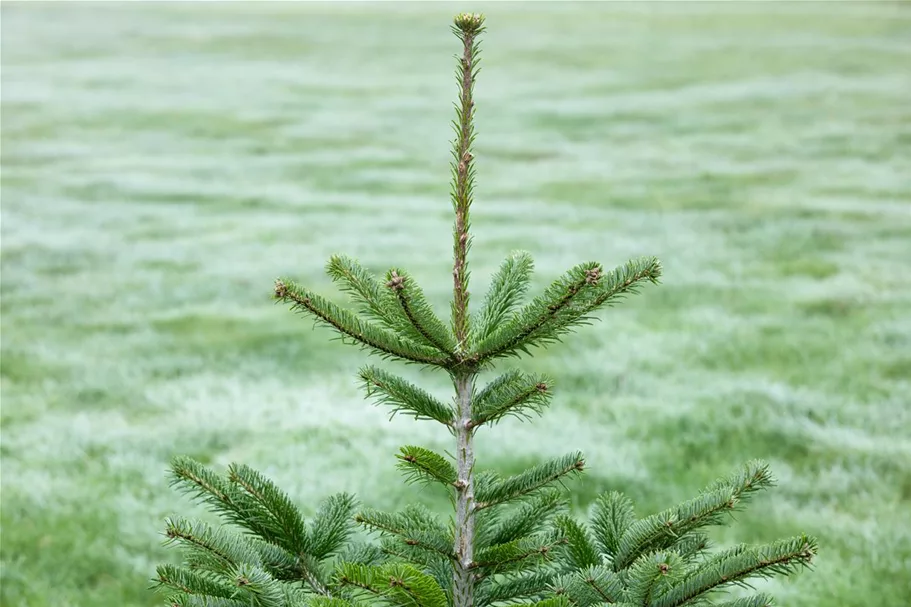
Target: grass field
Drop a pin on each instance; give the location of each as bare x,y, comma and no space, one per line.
162,163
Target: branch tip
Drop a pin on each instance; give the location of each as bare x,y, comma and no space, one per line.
469,23
396,282
592,276
281,289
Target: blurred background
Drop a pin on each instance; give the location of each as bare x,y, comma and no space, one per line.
162,163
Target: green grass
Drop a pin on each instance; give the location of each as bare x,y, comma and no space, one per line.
162,163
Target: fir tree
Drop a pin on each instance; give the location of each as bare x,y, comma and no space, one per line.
510,540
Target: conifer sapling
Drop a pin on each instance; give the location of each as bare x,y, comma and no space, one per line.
510,540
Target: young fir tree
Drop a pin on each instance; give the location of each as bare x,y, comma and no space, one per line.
510,540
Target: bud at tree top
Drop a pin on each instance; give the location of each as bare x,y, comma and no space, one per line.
469,23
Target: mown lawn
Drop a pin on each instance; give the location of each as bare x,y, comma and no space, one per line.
162,163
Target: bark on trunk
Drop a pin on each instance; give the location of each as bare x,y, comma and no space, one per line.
463,582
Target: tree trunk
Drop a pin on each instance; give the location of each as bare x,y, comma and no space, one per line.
463,580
